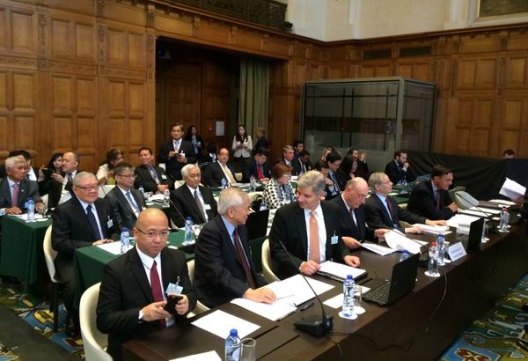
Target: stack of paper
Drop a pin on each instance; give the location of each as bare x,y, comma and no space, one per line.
295,290
432,229
398,241
376,248
219,323
340,271
512,189
461,222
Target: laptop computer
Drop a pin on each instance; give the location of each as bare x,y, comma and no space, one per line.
257,224
384,292
472,241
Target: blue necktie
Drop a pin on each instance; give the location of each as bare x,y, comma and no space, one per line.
93,222
134,205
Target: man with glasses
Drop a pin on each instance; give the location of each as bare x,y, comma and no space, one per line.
85,220
126,201
136,285
224,268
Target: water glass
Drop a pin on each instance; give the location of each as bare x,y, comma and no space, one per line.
358,298
248,349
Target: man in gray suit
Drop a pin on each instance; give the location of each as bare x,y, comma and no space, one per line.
126,201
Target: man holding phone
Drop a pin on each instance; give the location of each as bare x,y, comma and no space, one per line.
145,289
176,152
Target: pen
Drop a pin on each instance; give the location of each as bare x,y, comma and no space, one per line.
304,308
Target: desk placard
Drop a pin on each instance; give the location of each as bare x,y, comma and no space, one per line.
456,251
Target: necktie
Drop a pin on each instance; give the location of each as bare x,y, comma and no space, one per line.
199,204
314,239
242,258
133,203
153,174
176,146
391,210
334,180
14,196
228,174
353,215
93,222
437,199
260,174
155,285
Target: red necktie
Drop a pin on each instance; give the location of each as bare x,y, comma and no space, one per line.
157,291
14,196
242,257
260,175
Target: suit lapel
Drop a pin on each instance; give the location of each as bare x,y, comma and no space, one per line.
136,266
192,201
102,220
301,222
122,199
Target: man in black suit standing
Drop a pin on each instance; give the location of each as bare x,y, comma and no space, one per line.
135,285
84,220
224,268
398,169
383,211
192,199
257,167
153,179
176,152
126,201
215,172
310,231
16,189
431,199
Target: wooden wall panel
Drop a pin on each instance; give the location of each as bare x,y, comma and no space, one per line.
3,28
517,76
23,34
84,42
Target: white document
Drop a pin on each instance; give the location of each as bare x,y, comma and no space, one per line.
512,189
503,202
272,311
461,222
24,216
486,210
398,241
219,323
432,229
340,270
113,247
474,213
205,356
376,248
295,291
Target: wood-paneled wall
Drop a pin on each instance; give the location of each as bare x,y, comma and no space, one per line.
82,75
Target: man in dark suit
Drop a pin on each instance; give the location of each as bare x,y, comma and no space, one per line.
83,221
224,268
126,201
383,211
192,199
257,167
134,287
215,172
16,189
431,199
287,156
61,184
310,231
351,204
302,163
333,160
176,152
398,169
153,179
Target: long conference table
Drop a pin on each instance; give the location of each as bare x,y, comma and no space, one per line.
419,326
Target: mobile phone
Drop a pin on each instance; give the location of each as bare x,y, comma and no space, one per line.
172,300
47,172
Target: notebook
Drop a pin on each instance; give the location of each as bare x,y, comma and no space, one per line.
384,292
257,224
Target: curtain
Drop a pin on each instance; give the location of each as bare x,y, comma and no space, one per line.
254,94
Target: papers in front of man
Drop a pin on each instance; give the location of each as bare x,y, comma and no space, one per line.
512,189
480,212
340,271
461,222
219,323
295,291
433,229
204,356
502,202
272,311
398,241
376,248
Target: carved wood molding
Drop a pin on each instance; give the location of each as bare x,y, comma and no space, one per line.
74,68
18,61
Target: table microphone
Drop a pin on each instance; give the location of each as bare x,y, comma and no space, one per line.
315,325
474,203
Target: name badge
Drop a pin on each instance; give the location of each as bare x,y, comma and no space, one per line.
207,207
456,251
173,288
333,239
164,176
110,223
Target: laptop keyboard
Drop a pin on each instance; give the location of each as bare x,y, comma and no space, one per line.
379,295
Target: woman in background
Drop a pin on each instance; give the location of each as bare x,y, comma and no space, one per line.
262,142
54,167
242,144
278,190
196,141
105,174
326,150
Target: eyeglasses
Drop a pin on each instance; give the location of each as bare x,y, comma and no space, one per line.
154,234
89,188
128,175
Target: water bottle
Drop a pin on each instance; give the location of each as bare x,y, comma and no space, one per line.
224,183
432,268
30,206
253,184
166,198
349,289
404,255
504,220
142,190
441,249
232,346
125,240
189,236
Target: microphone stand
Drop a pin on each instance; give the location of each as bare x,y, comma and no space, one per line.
315,325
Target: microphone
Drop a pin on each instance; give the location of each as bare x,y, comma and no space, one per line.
469,202
185,248
315,325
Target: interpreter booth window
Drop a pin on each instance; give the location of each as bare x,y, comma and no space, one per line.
379,115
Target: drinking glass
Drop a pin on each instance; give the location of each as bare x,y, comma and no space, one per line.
358,298
248,349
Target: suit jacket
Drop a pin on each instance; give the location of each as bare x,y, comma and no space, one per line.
55,191
121,209
378,216
289,226
26,189
172,166
397,174
71,229
125,290
348,227
218,274
144,178
297,166
422,202
250,169
183,199
214,174
294,170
